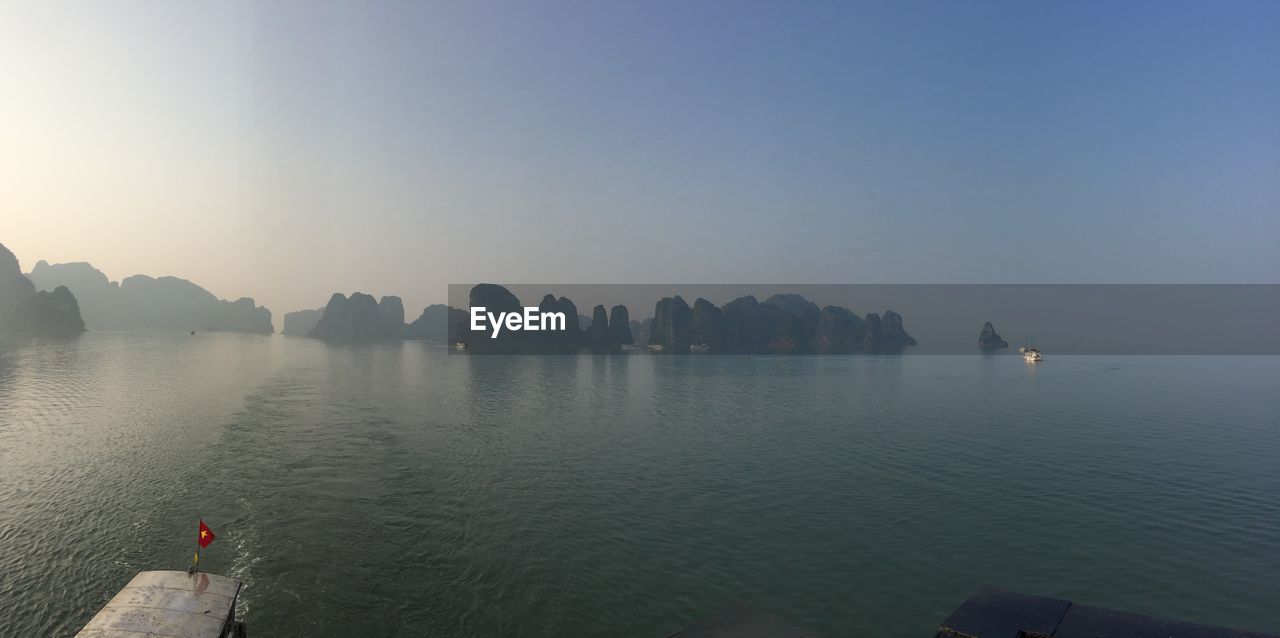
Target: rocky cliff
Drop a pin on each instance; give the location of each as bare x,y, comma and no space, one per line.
671,321
989,340
23,310
141,302
783,324
301,322
356,319
839,331
640,331
598,339
750,326
620,326
494,299
559,341
391,308
893,336
707,326
436,323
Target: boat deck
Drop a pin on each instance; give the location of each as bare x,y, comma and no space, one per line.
168,604
994,613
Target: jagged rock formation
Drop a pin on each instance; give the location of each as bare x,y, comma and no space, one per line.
494,299
25,311
150,303
392,311
783,324
597,336
989,340
750,325
893,336
795,305
791,336
601,335
301,322
358,319
560,341
609,331
839,331
436,323
100,300
885,334
707,326
620,326
797,327
671,320
640,331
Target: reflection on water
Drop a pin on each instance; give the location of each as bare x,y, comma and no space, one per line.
397,490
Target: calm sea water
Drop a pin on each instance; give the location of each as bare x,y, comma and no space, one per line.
398,491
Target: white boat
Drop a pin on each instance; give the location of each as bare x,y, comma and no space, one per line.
1030,354
699,348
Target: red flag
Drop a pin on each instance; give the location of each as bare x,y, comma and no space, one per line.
206,534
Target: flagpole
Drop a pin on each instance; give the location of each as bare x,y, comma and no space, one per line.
195,567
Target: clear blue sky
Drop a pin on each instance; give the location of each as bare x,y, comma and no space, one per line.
288,150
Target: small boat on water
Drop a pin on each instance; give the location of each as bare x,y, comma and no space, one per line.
459,345
656,347
699,348
171,604
1030,353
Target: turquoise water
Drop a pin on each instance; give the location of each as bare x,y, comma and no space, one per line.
398,491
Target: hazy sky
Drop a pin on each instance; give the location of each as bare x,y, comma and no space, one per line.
286,150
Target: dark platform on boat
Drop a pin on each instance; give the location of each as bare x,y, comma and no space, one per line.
988,613
994,613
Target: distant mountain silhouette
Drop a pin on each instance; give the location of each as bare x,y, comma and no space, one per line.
23,310
434,323
359,319
988,339
353,319
640,331
149,303
301,322
599,336
783,324
620,326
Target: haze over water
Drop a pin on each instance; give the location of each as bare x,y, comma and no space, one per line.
395,490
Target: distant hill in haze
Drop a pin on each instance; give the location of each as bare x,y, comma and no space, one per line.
23,310
433,323
781,324
301,322
359,318
149,303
